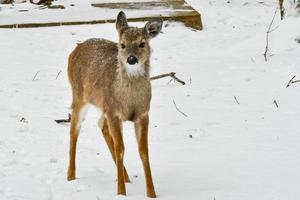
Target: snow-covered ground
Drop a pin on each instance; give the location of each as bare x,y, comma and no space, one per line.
222,151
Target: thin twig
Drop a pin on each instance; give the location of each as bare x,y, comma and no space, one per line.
236,100
35,75
274,29
275,102
296,81
290,81
268,32
171,74
64,120
58,75
179,110
263,3
170,81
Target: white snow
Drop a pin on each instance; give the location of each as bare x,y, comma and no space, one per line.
223,150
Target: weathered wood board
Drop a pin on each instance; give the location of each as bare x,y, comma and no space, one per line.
178,10
171,10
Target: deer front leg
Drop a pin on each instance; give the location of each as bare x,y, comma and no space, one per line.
141,131
103,125
78,115
115,129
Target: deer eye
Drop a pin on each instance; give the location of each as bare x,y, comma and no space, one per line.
123,46
142,45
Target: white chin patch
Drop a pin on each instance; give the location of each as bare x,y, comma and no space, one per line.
134,70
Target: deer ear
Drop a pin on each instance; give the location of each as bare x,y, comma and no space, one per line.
153,27
121,23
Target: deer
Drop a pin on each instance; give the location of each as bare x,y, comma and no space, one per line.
114,77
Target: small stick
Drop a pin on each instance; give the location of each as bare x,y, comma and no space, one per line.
58,75
296,81
179,110
275,102
262,3
64,120
170,81
289,83
236,100
267,36
35,75
171,74
274,29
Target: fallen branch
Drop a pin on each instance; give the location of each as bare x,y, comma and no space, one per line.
179,110
35,75
267,36
64,120
58,75
236,100
296,81
171,74
275,102
263,3
290,81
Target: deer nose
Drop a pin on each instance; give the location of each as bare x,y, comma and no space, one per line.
132,60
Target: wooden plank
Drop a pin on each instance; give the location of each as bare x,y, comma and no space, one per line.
171,10
171,4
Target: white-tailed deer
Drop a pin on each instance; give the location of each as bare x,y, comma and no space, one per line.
114,77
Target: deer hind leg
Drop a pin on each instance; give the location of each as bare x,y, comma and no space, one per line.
103,125
141,131
115,129
78,114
